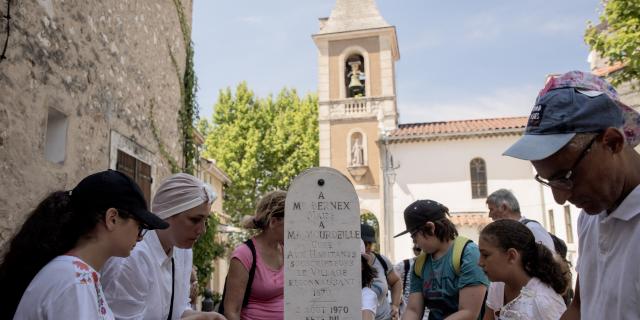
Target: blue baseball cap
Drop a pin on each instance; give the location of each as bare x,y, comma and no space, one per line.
558,115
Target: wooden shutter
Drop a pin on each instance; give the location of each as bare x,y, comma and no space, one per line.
137,170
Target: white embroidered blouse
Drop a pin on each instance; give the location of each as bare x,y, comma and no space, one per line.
536,301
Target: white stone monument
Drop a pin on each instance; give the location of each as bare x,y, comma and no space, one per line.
322,248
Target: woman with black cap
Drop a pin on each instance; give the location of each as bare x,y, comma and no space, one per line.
446,277
50,270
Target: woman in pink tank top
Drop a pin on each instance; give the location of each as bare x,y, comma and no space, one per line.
266,298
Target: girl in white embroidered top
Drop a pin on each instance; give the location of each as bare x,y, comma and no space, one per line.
530,281
50,268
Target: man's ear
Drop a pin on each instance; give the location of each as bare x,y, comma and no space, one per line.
110,218
613,140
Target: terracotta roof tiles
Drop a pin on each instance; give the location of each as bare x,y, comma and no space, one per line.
428,130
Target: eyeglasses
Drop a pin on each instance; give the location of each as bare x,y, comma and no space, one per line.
142,228
563,180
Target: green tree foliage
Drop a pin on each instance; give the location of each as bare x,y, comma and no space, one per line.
617,37
262,144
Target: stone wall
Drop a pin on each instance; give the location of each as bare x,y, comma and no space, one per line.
103,64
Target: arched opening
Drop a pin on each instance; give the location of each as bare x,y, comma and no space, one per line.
478,170
355,77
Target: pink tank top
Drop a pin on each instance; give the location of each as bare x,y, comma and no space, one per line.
266,301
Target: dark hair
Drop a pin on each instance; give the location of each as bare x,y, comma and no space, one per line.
444,230
368,272
51,229
537,260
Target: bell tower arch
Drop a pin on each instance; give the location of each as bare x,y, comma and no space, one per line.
357,51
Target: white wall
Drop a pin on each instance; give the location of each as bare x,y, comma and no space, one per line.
439,170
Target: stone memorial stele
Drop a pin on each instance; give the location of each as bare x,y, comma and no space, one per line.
322,274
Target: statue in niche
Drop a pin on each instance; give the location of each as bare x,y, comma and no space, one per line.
357,153
356,88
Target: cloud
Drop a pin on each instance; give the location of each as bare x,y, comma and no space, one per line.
251,19
567,25
503,102
482,27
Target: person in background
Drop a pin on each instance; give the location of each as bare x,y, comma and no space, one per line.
51,266
448,292
503,204
386,279
403,269
266,299
369,298
193,289
580,139
154,282
528,279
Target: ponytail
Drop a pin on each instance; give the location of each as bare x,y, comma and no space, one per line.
539,262
52,229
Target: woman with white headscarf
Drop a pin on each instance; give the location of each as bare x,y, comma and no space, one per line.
153,283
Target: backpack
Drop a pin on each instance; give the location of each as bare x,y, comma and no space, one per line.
459,244
247,290
558,244
382,262
407,266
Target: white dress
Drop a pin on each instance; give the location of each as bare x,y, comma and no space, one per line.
66,288
536,301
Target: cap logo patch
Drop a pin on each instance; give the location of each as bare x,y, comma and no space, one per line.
536,115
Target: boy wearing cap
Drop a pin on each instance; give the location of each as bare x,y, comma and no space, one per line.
450,290
580,140
386,278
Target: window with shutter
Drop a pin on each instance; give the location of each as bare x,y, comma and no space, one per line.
137,170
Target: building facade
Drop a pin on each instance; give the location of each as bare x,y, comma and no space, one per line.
457,163
83,88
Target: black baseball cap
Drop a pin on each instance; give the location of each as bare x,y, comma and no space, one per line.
113,189
421,211
367,233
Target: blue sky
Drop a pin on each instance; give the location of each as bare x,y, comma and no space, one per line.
458,59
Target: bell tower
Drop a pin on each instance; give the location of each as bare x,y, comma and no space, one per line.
357,51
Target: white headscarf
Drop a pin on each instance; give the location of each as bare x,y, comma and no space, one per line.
179,193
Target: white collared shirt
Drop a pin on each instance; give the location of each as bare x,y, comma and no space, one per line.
609,262
66,288
139,287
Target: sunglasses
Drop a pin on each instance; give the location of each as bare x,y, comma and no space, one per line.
142,228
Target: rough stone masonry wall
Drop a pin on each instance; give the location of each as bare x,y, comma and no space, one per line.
101,63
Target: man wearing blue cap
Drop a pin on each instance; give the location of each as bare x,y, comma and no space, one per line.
580,140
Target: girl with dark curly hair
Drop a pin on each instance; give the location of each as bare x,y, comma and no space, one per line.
50,268
529,280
